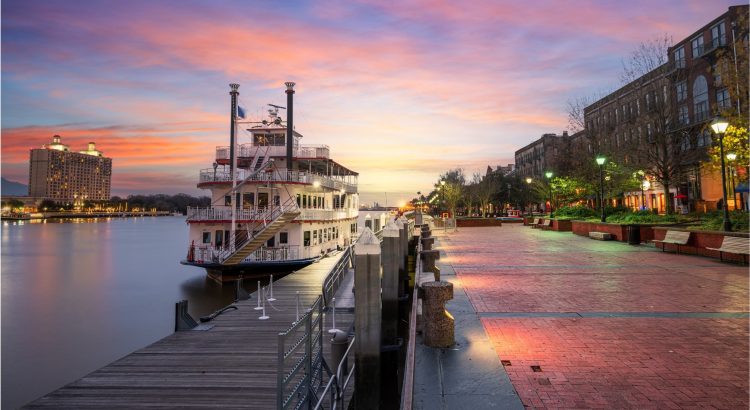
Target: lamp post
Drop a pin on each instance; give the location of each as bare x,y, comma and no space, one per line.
549,174
644,186
442,194
641,176
528,185
731,157
601,160
719,126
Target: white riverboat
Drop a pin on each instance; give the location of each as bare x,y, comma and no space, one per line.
277,205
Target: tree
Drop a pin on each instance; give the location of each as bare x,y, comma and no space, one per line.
736,142
669,145
453,193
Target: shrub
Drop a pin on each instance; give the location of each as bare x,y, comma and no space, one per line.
574,212
714,221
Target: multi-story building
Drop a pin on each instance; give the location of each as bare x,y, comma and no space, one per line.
540,156
61,175
660,120
500,170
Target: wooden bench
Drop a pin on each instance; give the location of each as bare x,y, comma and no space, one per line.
547,224
535,222
600,236
734,244
674,237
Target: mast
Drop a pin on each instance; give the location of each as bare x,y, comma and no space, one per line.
289,124
233,161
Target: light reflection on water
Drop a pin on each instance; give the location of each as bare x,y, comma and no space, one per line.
78,294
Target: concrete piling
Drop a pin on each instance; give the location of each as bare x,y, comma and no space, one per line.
389,256
367,320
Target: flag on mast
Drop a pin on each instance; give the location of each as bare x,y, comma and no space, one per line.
240,112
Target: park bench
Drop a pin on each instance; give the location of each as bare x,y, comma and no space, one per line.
674,237
733,244
547,224
601,236
535,222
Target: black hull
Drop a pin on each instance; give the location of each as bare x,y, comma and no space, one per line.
249,270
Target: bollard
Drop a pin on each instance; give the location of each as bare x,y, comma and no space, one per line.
367,318
436,273
297,319
403,273
239,291
428,259
439,325
339,343
258,307
270,283
182,319
427,243
333,328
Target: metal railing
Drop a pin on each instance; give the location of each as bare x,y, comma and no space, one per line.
298,151
407,387
336,276
300,360
335,391
245,236
347,183
264,254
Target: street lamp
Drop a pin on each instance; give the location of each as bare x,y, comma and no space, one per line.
719,126
601,160
645,185
731,157
442,194
528,184
548,174
640,173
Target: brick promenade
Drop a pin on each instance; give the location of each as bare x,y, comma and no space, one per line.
579,323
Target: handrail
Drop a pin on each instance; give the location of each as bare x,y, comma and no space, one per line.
246,236
338,393
407,388
334,277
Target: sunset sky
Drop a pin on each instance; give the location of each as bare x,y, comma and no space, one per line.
401,91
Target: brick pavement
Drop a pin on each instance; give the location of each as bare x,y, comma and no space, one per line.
609,325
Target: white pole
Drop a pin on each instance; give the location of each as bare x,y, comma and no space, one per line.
259,297
264,316
271,299
333,310
297,320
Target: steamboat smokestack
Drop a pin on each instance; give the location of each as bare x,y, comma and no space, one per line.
289,123
234,93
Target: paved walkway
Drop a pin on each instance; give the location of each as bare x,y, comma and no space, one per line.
579,323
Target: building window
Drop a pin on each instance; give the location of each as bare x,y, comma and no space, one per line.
683,116
718,35
704,138
685,144
697,44
722,98
700,98
717,75
650,132
679,57
681,88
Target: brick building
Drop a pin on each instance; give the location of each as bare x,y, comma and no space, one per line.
61,175
540,156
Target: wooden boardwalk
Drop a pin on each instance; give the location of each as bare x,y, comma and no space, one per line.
231,365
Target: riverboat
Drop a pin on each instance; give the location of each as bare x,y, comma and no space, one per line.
276,204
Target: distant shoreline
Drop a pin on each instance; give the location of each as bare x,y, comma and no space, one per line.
72,215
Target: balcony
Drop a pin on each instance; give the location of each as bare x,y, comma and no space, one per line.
207,253
348,183
299,151
223,214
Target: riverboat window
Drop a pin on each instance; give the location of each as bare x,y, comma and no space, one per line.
227,200
306,237
299,200
206,237
283,238
315,237
226,237
271,242
248,200
277,200
320,235
354,228
219,238
304,201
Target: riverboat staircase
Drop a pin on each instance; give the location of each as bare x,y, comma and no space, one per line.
249,240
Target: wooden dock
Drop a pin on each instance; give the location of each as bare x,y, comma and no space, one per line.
231,364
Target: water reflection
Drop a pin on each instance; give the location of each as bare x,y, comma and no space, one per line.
78,294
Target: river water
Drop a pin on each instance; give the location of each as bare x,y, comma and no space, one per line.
78,295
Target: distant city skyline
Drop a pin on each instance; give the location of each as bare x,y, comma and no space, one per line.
400,92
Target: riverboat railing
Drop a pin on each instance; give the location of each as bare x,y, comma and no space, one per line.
298,151
348,183
300,360
204,254
224,213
